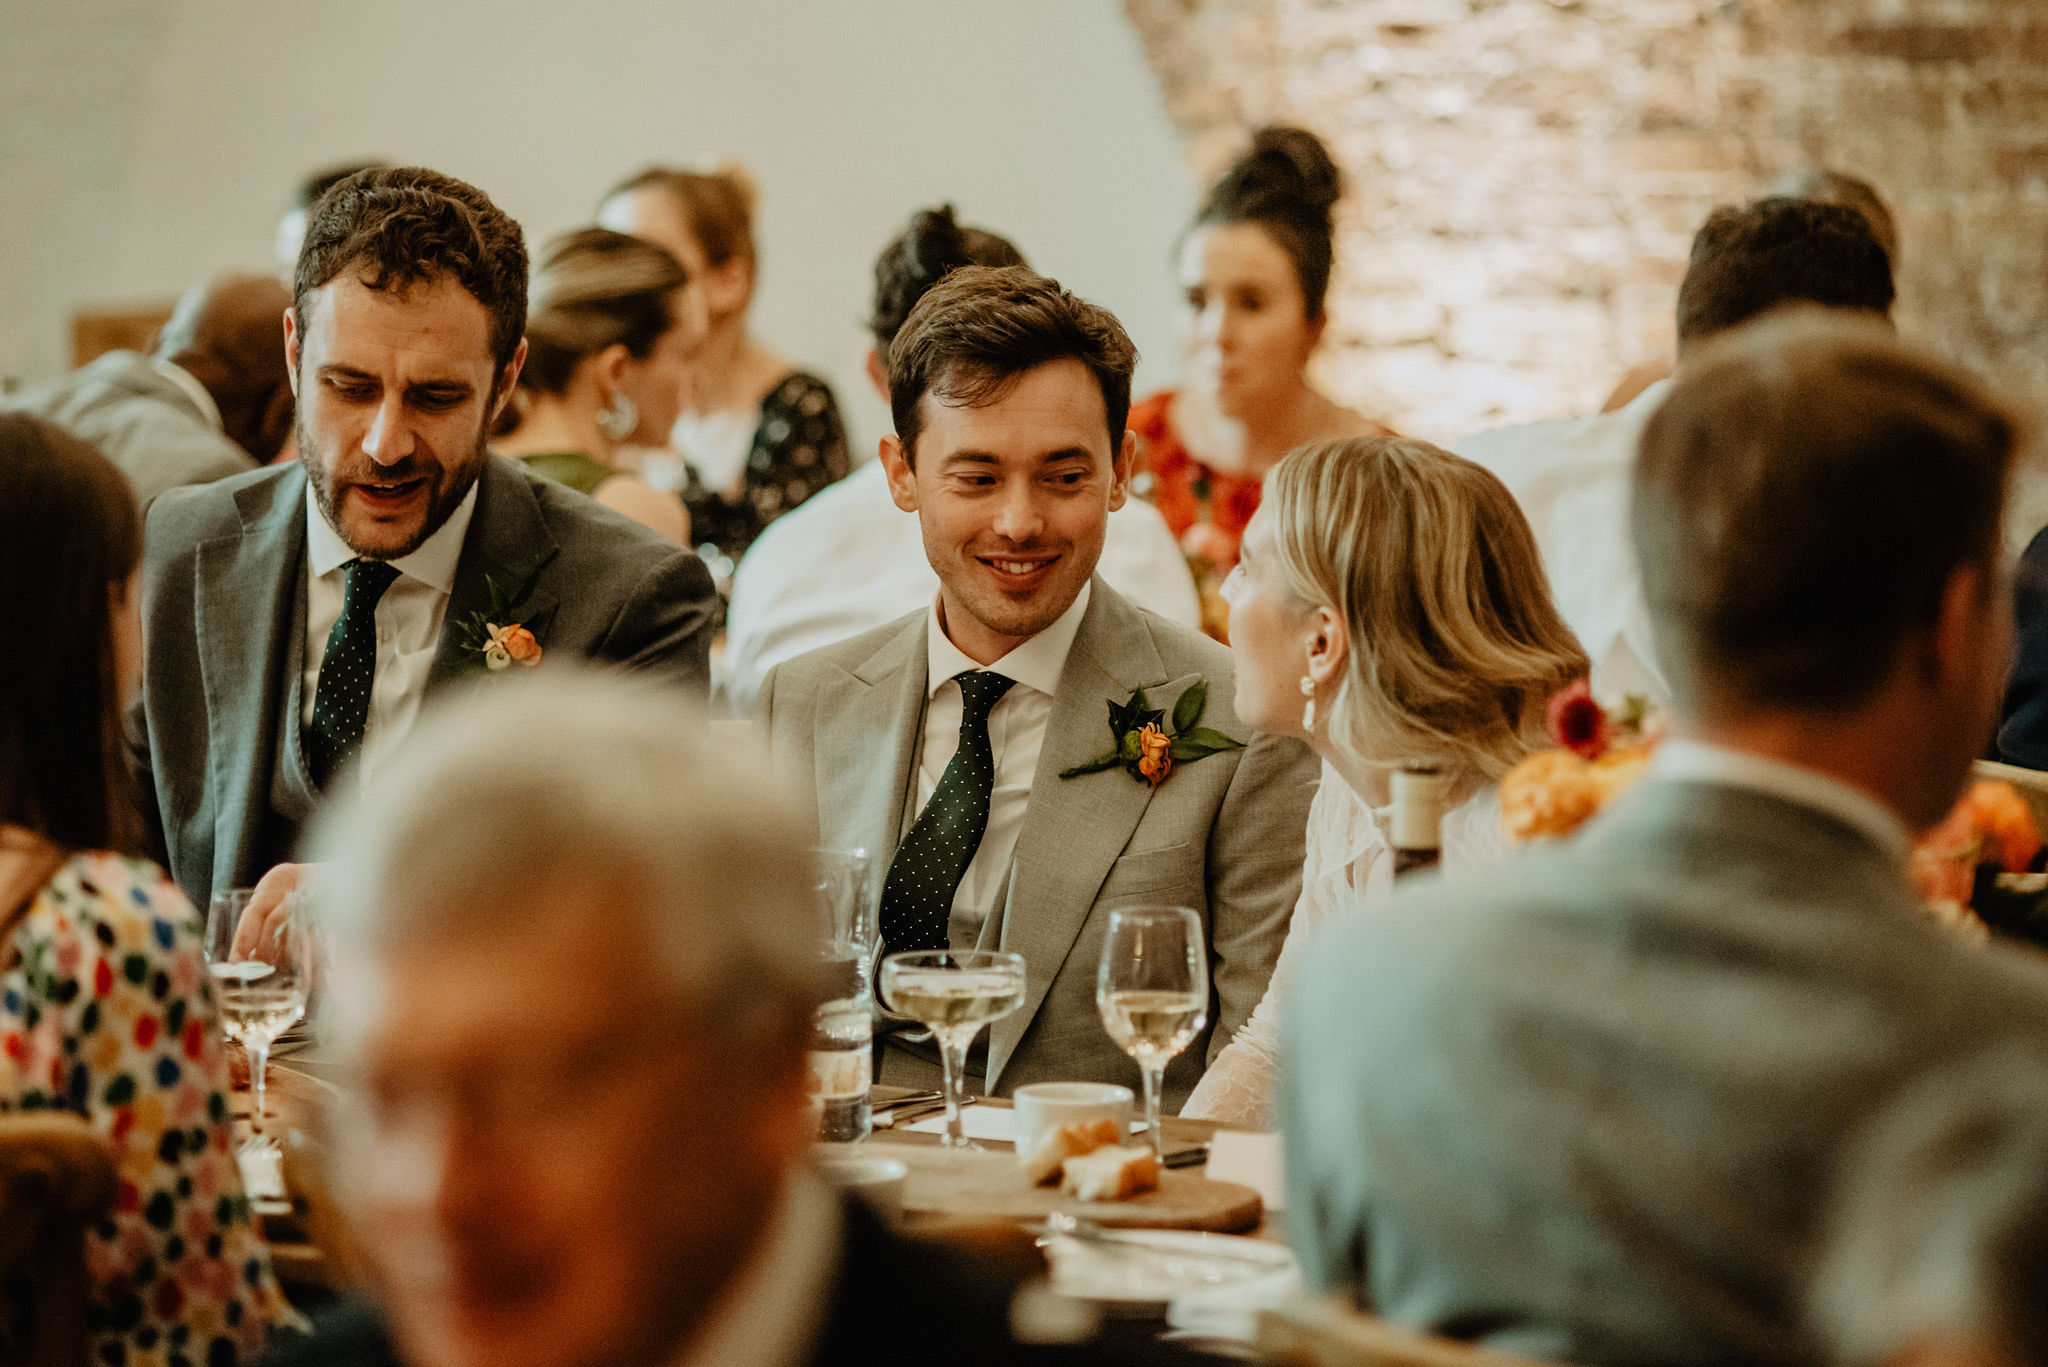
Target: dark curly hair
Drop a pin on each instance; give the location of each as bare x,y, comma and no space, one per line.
1287,184
924,253
981,327
406,225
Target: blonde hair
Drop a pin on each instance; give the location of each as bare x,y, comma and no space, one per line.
1454,645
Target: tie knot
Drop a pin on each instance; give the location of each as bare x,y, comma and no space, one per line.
981,690
367,580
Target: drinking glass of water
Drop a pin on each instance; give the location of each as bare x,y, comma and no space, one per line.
842,1035
1152,989
260,992
953,993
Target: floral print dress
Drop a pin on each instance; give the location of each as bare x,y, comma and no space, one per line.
106,1014
799,447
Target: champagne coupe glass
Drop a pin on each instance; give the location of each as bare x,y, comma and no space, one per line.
953,993
259,992
1152,989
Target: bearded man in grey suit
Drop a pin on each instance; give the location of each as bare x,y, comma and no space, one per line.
1587,1108
296,616
942,744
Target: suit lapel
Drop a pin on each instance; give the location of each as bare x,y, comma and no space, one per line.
866,743
246,602
1075,828
508,544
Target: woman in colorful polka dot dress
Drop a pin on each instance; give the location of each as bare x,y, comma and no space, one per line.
104,1010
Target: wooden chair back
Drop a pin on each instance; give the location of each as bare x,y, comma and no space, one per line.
56,1178
1329,1333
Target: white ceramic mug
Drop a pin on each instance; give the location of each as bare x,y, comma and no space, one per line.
1045,1106
878,1181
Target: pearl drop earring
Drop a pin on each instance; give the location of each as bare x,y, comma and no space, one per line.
1308,713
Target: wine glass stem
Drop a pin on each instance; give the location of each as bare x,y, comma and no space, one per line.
1155,1074
953,1054
259,1065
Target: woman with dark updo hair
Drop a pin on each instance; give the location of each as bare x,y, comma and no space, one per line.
1254,272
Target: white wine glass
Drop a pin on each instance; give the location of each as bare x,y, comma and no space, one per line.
260,992
1152,989
953,993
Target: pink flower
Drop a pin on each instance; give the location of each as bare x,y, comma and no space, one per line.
1578,723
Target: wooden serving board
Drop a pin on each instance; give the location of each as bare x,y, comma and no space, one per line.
990,1186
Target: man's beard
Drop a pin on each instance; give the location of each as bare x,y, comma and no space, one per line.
442,502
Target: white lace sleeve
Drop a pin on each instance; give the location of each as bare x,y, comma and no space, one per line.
1238,1087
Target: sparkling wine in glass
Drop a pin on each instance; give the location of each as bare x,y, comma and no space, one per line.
1152,989
953,993
260,992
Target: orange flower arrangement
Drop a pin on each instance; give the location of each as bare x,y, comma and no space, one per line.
1554,792
1990,825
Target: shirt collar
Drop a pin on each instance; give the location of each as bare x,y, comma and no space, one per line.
201,397
1690,761
433,563
1038,663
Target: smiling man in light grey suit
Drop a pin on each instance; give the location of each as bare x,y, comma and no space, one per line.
1587,1108
939,743
296,616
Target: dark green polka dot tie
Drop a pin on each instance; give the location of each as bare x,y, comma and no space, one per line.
917,896
348,671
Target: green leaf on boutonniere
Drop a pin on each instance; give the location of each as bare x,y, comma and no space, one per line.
1188,711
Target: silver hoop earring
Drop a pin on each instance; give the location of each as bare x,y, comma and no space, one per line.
620,418
1308,713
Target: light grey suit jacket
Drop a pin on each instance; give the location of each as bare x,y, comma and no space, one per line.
141,420
1586,1107
1223,835
224,589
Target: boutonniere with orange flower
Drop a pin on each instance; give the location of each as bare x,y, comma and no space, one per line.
497,638
1146,749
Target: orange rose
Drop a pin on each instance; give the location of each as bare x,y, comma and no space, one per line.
518,644
1155,757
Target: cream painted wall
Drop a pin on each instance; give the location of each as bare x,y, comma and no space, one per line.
150,142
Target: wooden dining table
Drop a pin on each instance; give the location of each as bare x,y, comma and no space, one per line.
301,1226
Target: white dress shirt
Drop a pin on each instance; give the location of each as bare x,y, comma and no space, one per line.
1572,478
848,559
772,1313
409,618
1689,761
1016,733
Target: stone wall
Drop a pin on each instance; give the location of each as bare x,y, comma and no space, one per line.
1525,175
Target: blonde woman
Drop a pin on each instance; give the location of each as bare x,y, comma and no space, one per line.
1389,606
614,325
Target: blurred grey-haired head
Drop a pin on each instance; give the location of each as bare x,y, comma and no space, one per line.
574,775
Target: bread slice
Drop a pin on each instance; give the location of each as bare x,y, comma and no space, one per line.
1042,1163
1110,1174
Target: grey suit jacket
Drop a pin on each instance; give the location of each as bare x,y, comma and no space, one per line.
1223,835
1586,1107
140,420
224,586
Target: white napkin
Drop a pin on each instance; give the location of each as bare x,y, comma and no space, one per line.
1251,1160
980,1122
